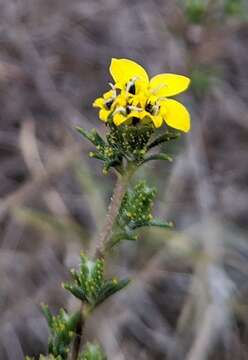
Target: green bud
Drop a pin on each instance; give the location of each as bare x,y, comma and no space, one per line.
89,284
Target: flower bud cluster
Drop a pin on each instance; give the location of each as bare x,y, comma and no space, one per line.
89,284
92,352
63,330
135,212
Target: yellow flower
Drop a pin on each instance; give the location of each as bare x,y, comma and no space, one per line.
105,104
150,96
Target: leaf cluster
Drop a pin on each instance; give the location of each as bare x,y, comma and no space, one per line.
92,352
89,284
63,329
126,142
135,212
43,357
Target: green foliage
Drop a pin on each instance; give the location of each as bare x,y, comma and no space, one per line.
131,141
135,212
92,352
198,11
195,10
43,357
136,205
164,137
121,142
89,284
234,7
126,142
62,328
125,148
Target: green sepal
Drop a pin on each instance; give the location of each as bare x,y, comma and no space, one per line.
92,136
160,156
167,136
154,222
92,352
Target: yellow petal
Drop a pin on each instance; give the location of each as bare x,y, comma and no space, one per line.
103,114
121,100
157,120
136,114
119,119
108,95
168,84
175,114
99,102
123,70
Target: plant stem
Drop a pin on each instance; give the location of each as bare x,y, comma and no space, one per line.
113,211
77,340
102,241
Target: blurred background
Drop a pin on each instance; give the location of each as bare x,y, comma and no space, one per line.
188,298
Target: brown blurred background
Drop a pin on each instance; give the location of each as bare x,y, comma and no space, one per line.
188,298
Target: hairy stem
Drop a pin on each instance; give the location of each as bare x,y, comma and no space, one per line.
101,244
113,211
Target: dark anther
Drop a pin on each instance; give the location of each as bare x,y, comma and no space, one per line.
108,103
131,89
128,110
135,121
149,107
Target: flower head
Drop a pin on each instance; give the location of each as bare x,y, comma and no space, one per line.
135,98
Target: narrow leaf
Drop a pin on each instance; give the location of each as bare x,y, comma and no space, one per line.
163,138
160,156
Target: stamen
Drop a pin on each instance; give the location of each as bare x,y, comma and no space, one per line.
134,108
112,86
130,87
120,109
108,103
149,107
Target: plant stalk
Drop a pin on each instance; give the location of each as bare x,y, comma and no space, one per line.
102,241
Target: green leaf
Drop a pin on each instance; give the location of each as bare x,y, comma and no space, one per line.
135,212
62,332
109,288
161,223
92,352
163,138
89,284
43,357
92,136
160,156
123,235
97,155
47,314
